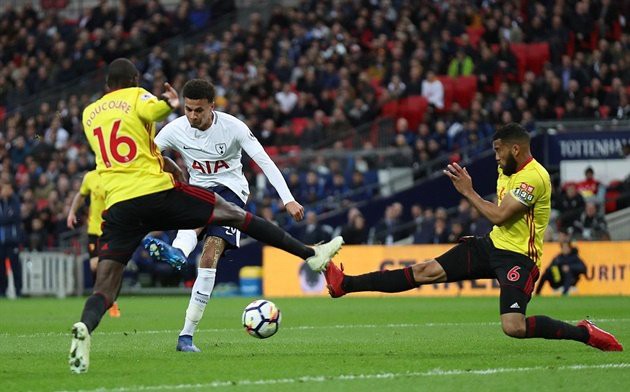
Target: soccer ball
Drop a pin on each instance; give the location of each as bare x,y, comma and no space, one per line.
261,319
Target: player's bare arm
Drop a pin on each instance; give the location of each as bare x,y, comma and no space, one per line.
497,214
172,167
77,200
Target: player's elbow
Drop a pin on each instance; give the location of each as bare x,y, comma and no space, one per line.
499,220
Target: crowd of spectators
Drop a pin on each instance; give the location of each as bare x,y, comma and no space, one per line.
579,207
418,225
308,77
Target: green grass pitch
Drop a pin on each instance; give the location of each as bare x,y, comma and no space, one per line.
348,344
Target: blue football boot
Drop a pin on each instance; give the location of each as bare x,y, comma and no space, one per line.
185,344
162,251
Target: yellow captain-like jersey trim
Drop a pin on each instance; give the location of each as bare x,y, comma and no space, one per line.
120,128
92,186
531,186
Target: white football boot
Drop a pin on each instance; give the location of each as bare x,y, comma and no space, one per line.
323,253
79,358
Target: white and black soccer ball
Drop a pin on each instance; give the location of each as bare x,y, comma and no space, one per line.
261,319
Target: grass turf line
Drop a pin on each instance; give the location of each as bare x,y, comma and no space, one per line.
336,344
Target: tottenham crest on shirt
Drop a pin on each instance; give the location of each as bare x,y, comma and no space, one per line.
220,148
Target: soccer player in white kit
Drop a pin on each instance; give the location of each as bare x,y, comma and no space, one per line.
211,144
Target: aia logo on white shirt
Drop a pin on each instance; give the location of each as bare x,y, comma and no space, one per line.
209,167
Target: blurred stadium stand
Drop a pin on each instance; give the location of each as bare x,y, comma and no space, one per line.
357,68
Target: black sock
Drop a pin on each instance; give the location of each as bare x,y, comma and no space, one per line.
383,281
548,328
270,234
93,311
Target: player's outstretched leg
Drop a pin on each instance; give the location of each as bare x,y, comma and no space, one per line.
393,281
518,326
317,257
229,214
162,251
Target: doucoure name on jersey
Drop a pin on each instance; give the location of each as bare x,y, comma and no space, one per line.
209,167
107,105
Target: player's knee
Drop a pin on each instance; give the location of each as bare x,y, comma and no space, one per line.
513,329
428,271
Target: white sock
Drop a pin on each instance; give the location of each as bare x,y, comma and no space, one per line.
186,240
201,291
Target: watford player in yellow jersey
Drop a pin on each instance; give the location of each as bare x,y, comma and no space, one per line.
92,187
510,253
141,194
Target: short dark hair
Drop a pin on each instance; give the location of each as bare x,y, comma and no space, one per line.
199,89
589,170
512,132
121,73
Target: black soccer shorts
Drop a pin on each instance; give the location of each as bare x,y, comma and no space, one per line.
127,222
478,258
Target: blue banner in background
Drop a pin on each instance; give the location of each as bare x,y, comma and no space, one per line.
586,145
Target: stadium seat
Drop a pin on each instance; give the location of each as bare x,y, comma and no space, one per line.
413,109
571,44
390,109
465,90
449,91
614,34
604,111
588,43
594,38
520,52
3,112
298,124
612,194
272,151
290,149
378,89
494,87
559,112
537,56
474,34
